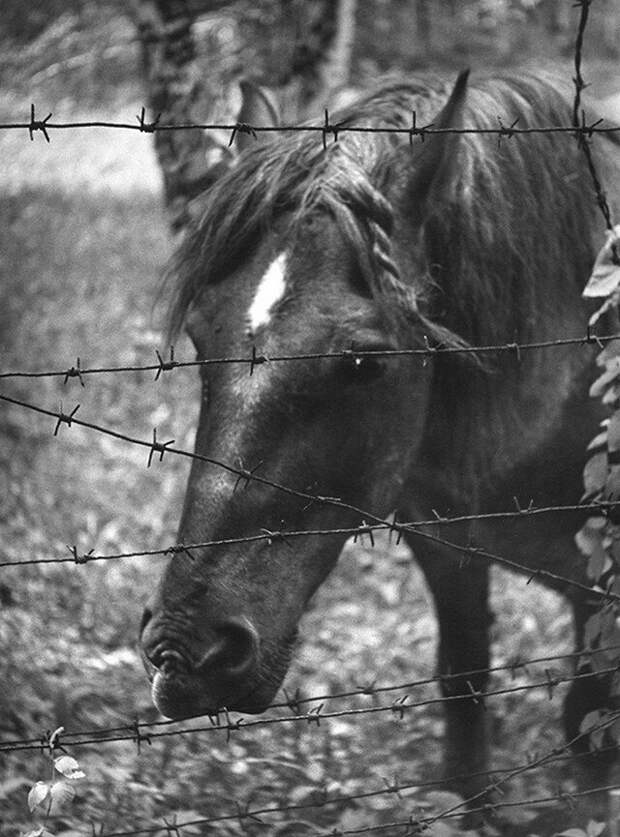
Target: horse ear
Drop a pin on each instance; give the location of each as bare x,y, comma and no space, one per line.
258,108
431,163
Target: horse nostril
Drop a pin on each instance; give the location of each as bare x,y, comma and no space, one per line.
171,662
147,615
235,649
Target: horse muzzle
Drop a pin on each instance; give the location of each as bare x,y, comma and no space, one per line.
224,674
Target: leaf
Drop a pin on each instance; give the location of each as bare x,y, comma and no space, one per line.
612,396
595,828
61,794
614,731
595,474
604,281
610,635
605,278
69,767
573,832
599,441
590,720
610,303
301,794
41,831
613,432
38,796
612,371
591,634
590,537
599,562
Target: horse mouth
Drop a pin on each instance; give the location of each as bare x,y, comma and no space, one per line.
179,696
181,688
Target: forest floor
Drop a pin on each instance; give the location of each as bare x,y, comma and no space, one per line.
83,240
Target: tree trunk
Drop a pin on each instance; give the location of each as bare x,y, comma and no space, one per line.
285,44
337,68
424,25
178,90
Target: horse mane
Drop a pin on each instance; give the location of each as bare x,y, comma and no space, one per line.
294,174
480,247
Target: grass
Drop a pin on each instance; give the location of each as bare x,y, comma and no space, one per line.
83,240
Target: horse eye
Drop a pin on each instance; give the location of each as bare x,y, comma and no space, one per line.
361,369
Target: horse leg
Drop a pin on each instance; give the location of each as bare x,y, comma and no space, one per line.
461,602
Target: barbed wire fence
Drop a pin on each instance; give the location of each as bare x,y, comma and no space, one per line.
142,734
225,724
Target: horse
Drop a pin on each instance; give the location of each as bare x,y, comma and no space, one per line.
384,256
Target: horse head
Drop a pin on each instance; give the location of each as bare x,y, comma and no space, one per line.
301,253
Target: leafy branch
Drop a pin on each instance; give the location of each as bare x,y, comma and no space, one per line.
599,537
47,799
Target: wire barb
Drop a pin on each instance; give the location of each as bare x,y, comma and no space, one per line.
246,476
165,365
242,128
63,418
158,447
77,558
147,127
50,741
139,737
328,128
272,537
74,372
256,360
38,124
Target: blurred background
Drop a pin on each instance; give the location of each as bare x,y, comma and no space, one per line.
87,224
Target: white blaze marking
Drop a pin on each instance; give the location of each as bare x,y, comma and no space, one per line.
270,291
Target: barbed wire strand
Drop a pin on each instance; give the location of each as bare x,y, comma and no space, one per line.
394,788
579,121
324,129
584,132
81,558
397,708
560,753
601,726
415,824
255,359
469,551
369,690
